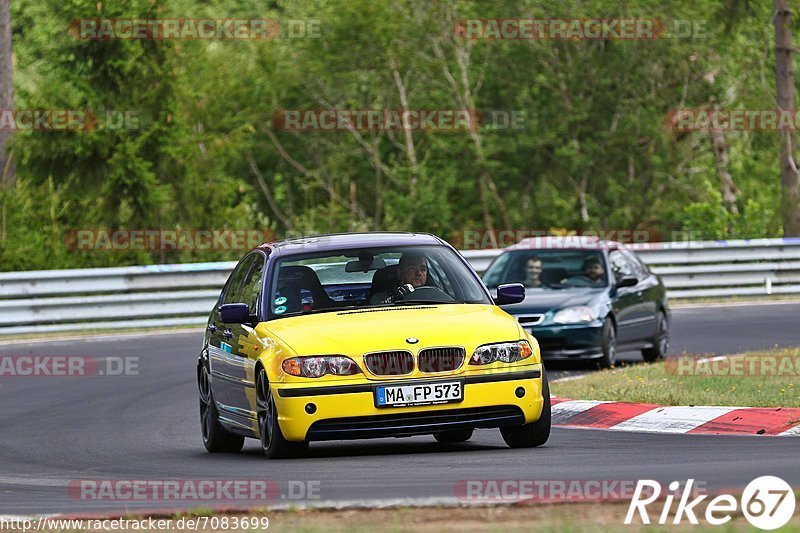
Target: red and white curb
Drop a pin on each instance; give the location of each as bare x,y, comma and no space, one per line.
650,418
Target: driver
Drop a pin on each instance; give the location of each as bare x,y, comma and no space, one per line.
593,271
412,269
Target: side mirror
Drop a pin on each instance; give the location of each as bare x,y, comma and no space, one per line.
510,293
626,282
234,313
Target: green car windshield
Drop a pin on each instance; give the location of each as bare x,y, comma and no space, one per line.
362,278
549,269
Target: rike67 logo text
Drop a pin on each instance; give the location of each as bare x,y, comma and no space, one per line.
767,502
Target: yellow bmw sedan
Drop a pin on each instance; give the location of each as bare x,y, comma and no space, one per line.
366,335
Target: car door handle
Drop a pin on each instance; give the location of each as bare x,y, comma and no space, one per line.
228,333
212,328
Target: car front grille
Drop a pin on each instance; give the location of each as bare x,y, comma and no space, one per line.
395,363
441,359
420,423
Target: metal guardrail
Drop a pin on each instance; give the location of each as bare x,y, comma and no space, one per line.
183,294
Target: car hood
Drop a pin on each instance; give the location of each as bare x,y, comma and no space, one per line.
544,300
387,328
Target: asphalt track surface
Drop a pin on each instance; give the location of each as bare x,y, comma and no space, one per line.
146,427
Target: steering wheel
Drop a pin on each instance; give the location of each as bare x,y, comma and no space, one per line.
428,292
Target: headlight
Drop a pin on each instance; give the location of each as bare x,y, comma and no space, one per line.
505,352
574,315
316,367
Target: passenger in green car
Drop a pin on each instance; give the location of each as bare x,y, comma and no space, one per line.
533,269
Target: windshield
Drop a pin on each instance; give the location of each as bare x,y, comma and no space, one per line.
371,277
549,269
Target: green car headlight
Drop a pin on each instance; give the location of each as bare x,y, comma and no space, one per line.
575,315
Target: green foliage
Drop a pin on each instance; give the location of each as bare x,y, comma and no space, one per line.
594,152
710,221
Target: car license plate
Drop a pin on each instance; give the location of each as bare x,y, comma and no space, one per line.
419,394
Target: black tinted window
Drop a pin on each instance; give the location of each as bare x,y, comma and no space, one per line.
234,286
251,287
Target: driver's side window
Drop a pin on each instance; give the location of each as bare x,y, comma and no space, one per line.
620,265
234,286
251,288
637,265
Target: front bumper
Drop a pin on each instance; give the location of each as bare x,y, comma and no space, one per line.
349,412
569,341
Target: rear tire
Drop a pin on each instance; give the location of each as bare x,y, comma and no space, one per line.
535,433
215,437
660,340
456,435
273,443
609,345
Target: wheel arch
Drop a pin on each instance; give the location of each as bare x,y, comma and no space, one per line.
610,316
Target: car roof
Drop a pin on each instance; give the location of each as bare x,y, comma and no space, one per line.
565,242
338,241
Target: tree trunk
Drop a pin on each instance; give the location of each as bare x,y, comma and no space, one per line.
378,220
262,183
790,175
411,150
730,193
6,102
584,206
353,204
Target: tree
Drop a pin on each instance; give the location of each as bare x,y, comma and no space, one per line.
6,103
790,174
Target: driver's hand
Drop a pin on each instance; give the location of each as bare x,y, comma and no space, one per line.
399,293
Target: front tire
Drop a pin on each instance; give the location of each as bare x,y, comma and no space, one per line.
453,436
535,433
660,340
215,437
609,345
273,443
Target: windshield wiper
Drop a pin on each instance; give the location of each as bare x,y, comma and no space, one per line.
319,310
327,309
427,302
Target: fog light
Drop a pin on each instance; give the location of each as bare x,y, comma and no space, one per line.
520,392
311,408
